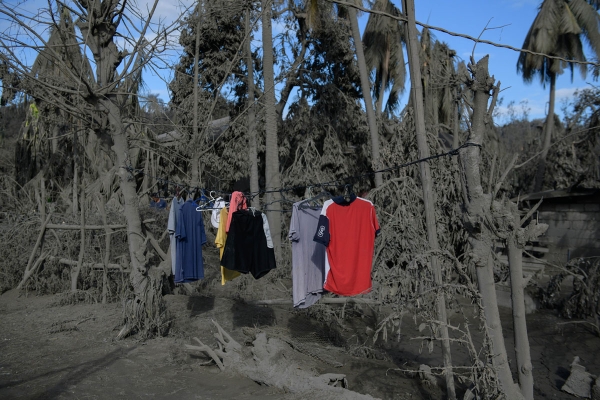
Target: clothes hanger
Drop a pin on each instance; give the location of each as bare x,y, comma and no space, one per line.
348,193
306,203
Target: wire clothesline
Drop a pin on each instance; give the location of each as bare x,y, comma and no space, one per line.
337,182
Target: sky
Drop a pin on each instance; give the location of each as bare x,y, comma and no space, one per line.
513,18
508,22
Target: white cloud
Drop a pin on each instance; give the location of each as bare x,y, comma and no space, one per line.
166,11
567,93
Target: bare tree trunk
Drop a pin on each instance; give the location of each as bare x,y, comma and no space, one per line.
252,147
195,138
428,196
135,238
107,237
272,176
55,133
75,174
366,89
146,178
517,284
456,122
43,198
548,128
77,270
455,143
480,238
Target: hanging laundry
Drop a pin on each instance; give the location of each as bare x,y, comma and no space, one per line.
348,230
190,235
216,212
171,227
246,248
157,202
308,256
220,240
236,203
267,231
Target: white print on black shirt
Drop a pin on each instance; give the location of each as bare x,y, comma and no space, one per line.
321,231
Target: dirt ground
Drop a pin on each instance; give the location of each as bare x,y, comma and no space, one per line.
53,351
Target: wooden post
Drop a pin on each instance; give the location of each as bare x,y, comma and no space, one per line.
428,199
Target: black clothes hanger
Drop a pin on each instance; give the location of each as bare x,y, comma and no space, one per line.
197,194
348,193
307,203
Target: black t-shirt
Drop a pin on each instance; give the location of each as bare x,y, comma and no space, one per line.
246,248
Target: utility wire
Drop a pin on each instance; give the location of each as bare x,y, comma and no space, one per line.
462,35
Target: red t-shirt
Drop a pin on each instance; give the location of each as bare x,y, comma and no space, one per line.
348,230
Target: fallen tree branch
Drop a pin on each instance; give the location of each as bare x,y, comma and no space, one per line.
208,351
92,227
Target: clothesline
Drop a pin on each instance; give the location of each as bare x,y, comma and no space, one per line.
334,183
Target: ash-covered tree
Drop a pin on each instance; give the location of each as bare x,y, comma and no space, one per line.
349,13
439,78
559,29
574,159
210,63
98,96
326,132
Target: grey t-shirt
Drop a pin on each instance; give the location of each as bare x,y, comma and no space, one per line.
171,227
308,256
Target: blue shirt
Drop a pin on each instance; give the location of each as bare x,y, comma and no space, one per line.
190,235
161,203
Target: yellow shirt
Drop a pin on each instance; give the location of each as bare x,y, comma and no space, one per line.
226,274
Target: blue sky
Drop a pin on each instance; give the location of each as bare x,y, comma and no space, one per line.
511,20
514,17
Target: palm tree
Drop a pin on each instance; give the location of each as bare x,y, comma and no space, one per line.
272,175
557,30
383,38
312,10
366,89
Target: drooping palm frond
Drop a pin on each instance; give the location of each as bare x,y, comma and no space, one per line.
312,13
443,79
589,21
558,30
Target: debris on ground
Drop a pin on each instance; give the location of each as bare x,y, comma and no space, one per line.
579,383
